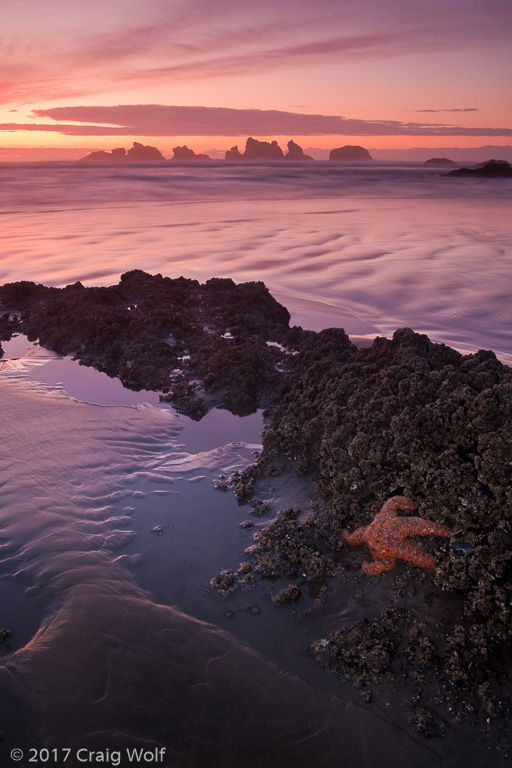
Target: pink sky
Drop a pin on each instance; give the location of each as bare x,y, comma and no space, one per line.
382,73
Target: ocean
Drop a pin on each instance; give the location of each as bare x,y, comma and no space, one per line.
111,527
370,248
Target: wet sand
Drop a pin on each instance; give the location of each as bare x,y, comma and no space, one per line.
118,640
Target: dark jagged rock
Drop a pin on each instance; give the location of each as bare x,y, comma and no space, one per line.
139,153
420,417
290,594
259,508
295,152
165,334
486,162
184,153
493,169
262,150
440,161
100,156
233,154
349,152
224,581
289,548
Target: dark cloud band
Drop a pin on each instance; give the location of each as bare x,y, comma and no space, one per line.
161,120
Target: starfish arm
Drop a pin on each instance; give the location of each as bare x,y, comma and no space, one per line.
416,526
407,551
355,538
395,503
378,566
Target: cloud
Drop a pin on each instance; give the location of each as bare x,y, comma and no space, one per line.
466,109
152,55
160,120
71,50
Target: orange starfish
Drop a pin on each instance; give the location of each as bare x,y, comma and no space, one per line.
387,536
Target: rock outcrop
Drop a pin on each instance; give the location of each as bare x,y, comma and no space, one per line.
262,150
349,153
164,334
184,153
295,152
493,169
233,154
139,153
99,156
402,417
266,150
440,161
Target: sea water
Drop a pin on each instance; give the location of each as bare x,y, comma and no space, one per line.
368,247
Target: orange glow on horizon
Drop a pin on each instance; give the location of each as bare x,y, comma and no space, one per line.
42,145
360,68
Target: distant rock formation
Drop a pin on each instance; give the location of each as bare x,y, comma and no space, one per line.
233,154
137,154
349,152
262,150
184,153
143,154
491,162
441,161
119,153
295,152
99,157
266,150
493,169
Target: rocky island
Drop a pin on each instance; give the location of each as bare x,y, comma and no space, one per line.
265,150
492,169
255,150
184,153
440,161
349,153
139,153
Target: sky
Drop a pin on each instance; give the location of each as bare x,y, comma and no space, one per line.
99,74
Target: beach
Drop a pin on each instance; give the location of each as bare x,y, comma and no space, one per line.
113,519
110,660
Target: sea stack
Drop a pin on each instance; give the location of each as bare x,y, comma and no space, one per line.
349,153
139,153
262,150
184,153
